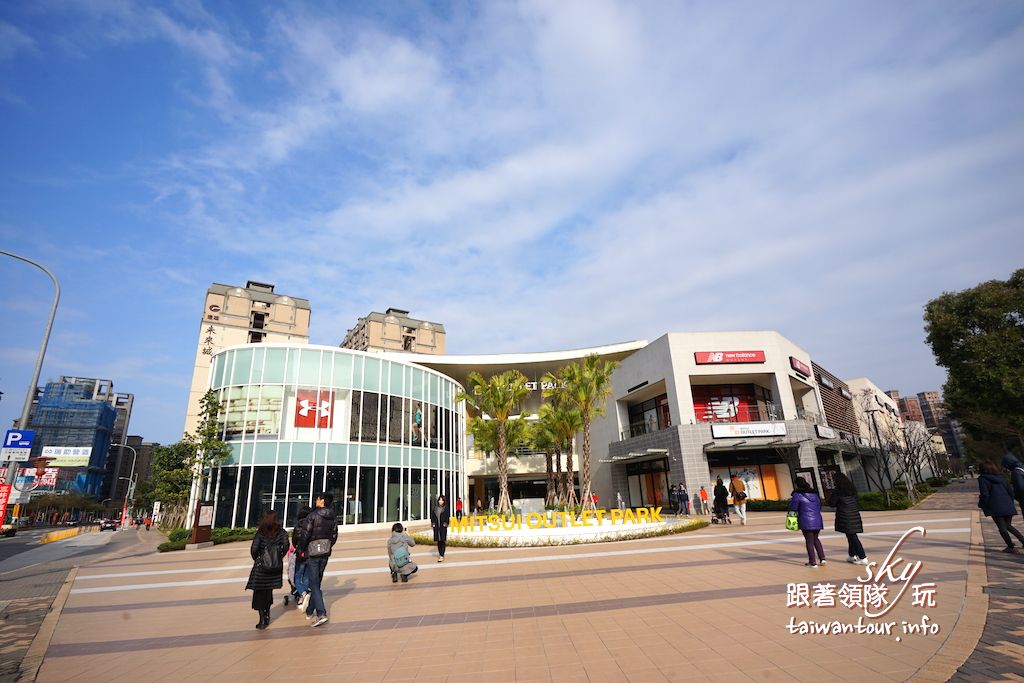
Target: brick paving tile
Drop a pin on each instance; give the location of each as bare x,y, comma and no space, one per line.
709,605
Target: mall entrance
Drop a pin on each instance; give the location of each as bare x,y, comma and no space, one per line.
765,473
647,483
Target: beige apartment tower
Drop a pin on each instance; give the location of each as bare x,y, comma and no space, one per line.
394,330
242,315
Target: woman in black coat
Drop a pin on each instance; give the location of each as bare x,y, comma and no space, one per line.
439,519
848,521
996,501
268,550
721,498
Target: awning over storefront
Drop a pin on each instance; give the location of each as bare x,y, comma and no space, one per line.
635,456
715,447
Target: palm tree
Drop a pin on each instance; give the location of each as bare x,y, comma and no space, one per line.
586,385
564,421
543,438
498,397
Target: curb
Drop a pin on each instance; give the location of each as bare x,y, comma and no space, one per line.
963,638
33,659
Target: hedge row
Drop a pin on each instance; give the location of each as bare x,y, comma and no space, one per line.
177,539
873,500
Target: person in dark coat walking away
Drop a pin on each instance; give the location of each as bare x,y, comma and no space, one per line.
1012,465
439,519
268,550
996,501
807,505
399,562
844,500
319,525
721,499
684,500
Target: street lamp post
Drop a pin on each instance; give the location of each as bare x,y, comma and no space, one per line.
23,420
131,478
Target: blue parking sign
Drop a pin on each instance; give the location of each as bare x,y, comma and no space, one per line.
17,445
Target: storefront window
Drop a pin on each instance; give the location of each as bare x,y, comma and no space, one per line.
225,496
732,403
650,416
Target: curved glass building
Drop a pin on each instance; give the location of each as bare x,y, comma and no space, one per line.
384,436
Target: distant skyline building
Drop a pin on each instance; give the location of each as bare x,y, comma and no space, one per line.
143,462
77,412
242,315
394,330
927,408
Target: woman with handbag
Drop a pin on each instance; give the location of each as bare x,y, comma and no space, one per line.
268,549
439,520
807,506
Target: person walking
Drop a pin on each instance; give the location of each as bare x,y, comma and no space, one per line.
738,491
314,539
703,501
844,500
721,500
458,509
673,498
807,505
439,518
268,549
1012,465
399,561
684,500
996,501
299,581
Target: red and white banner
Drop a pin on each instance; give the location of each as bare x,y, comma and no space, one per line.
800,366
314,408
5,494
721,357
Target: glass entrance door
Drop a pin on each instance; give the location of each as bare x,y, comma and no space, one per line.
648,483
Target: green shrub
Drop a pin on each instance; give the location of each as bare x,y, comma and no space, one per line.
171,545
236,534
938,482
875,500
178,535
767,505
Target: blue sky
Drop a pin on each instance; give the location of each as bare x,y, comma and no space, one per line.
534,175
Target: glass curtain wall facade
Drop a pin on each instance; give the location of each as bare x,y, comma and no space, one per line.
384,437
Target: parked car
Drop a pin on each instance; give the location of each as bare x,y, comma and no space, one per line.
8,530
111,524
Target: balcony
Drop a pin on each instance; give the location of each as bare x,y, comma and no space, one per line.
641,428
728,411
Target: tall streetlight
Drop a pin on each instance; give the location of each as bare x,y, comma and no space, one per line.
23,420
131,477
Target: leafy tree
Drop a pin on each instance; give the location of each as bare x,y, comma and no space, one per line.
585,385
543,438
563,421
978,335
209,450
498,397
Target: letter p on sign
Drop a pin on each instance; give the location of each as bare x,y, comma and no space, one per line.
13,438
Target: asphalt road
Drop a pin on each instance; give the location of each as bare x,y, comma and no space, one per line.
26,539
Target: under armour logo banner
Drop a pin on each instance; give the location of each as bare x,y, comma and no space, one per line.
314,408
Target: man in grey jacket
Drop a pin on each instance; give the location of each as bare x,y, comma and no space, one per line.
1012,465
403,566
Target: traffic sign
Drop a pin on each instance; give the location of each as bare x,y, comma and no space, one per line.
17,445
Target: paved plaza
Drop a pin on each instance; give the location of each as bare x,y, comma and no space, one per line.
706,605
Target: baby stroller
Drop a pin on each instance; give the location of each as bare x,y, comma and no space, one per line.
291,576
720,515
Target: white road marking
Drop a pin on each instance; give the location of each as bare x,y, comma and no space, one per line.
510,560
466,551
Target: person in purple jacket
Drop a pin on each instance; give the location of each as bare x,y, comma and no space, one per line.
807,505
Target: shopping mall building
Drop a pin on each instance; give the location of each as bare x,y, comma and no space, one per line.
383,432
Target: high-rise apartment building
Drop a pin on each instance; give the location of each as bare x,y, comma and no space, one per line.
141,461
394,330
77,412
910,407
242,315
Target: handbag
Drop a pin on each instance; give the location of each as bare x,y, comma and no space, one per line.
792,522
319,547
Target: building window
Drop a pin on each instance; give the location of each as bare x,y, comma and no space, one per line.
733,403
650,416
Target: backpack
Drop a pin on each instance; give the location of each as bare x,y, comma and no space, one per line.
401,555
270,558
